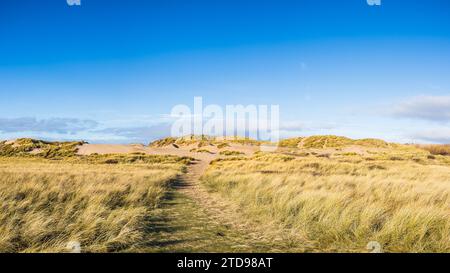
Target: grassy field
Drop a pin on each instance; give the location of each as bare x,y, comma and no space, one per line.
398,196
102,202
319,194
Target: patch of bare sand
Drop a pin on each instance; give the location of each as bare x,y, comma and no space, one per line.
35,151
12,142
88,149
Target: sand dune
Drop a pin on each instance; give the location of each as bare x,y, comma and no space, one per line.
88,149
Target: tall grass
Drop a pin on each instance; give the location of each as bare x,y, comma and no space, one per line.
342,203
105,207
437,149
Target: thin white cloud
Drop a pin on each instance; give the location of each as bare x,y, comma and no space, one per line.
432,108
436,135
136,130
292,125
139,134
52,125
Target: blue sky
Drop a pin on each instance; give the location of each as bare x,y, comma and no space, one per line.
111,71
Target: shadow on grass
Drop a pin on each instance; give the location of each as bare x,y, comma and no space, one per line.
164,229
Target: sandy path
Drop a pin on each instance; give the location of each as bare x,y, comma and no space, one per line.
255,236
194,219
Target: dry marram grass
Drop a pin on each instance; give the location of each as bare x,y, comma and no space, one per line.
319,193
44,205
398,198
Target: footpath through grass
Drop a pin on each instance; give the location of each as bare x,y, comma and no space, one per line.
192,220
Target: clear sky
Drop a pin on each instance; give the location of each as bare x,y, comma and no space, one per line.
111,71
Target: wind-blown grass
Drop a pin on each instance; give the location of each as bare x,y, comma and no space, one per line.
45,204
341,203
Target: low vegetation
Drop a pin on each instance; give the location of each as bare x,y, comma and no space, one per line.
437,149
400,197
202,141
49,196
290,142
31,147
325,142
67,152
163,142
230,153
222,145
330,141
320,193
131,159
104,207
197,150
